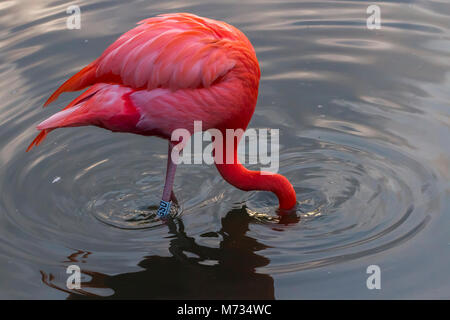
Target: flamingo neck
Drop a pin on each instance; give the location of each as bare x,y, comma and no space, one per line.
237,175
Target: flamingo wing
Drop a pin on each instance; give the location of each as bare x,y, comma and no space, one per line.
168,51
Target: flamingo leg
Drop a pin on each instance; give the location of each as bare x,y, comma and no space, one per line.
167,196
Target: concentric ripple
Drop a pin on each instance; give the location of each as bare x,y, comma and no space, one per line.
363,122
352,202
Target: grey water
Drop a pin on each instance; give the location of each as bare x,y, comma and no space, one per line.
363,116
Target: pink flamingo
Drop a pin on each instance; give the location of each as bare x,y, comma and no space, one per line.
166,73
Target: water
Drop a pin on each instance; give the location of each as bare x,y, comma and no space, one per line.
364,126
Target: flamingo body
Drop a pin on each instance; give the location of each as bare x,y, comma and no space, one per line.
166,73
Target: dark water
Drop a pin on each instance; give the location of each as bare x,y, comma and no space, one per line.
364,137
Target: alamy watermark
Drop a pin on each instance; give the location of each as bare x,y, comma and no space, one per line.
374,280
374,20
74,20
74,280
257,146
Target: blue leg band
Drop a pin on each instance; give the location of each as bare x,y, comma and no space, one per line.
164,208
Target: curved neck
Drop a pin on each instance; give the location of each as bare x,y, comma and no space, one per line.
237,175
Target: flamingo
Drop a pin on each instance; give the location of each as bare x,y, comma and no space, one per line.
166,73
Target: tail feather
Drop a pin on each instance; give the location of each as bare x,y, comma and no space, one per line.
85,77
39,138
103,105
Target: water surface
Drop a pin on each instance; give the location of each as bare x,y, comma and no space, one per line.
364,138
